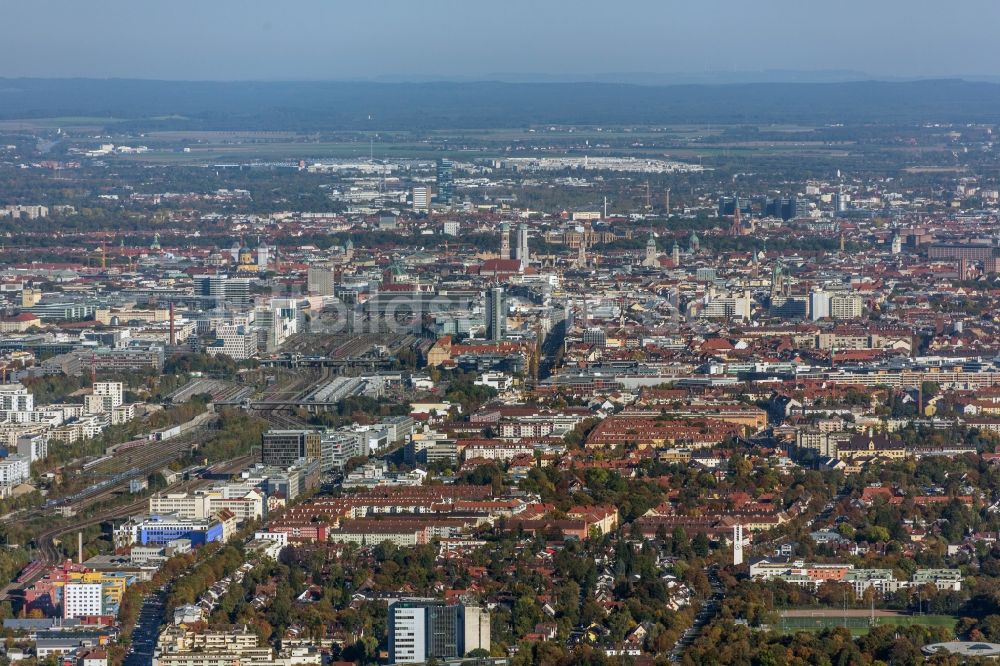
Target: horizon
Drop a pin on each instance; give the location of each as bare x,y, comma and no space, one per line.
449,40
653,80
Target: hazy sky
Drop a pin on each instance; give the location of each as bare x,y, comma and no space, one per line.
340,39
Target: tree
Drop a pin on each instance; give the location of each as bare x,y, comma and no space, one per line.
526,615
700,544
682,545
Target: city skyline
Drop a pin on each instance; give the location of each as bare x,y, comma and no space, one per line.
507,334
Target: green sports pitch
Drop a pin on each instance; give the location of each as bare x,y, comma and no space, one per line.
858,624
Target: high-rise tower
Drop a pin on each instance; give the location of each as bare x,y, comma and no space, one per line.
445,180
496,314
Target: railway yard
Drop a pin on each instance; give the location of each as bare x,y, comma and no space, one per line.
314,373
48,548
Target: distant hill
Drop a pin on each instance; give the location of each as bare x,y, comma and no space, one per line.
442,105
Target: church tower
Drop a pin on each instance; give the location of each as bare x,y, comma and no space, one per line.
651,260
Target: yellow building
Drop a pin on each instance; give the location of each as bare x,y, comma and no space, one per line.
871,446
440,352
247,262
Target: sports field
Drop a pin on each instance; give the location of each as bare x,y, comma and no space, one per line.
859,622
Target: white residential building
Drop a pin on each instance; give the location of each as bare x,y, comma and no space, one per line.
122,414
846,306
33,447
82,599
112,392
14,469
16,403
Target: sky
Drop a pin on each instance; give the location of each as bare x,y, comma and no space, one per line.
479,39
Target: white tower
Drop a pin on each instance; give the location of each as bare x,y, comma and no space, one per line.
737,545
521,248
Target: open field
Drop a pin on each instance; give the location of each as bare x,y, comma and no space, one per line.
675,143
81,123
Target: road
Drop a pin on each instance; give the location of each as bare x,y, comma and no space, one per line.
147,629
550,349
704,616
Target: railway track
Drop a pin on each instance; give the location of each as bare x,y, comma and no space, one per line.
143,460
50,553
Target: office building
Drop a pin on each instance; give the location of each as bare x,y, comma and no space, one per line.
496,314
975,252
221,290
63,311
407,633
728,206
789,307
799,208
238,342
162,529
321,280
787,208
840,203
728,305
138,357
420,630
445,180
339,446
596,336
421,199
283,448
245,504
